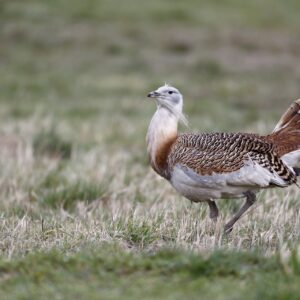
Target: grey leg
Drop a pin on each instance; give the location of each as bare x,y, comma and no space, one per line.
250,199
213,210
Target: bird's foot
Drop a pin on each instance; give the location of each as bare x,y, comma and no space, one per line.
228,228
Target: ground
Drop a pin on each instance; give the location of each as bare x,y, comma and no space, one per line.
82,214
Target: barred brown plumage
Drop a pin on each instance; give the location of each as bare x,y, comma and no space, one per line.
226,152
209,166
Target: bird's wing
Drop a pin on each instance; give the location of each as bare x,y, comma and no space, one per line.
246,159
251,175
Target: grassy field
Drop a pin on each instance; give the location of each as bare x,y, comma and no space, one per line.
82,215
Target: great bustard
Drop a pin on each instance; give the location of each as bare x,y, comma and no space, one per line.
209,166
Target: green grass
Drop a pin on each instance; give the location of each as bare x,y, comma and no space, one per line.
67,196
111,272
82,215
51,144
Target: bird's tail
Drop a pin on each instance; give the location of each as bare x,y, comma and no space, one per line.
286,135
290,120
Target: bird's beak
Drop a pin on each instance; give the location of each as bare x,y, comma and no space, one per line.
153,94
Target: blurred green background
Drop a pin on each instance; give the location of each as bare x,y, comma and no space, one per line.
236,62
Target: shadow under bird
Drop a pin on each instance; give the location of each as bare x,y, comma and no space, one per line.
208,166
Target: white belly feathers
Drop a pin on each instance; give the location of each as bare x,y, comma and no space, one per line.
234,184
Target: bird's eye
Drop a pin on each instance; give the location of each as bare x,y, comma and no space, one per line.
170,92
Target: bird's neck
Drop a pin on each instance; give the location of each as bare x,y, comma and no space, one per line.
162,133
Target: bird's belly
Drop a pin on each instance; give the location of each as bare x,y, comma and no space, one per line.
198,194
204,188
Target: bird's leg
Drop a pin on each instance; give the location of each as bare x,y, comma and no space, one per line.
213,210
250,199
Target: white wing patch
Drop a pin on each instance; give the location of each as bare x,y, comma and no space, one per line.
226,185
202,187
291,159
253,174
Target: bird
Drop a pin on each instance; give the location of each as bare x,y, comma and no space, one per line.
205,167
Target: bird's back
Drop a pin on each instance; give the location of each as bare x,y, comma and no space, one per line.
219,153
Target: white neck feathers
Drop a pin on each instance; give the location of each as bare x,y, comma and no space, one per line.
162,129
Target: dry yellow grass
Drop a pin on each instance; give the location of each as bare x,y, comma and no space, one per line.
136,208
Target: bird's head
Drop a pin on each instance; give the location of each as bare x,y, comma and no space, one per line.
167,96
170,98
